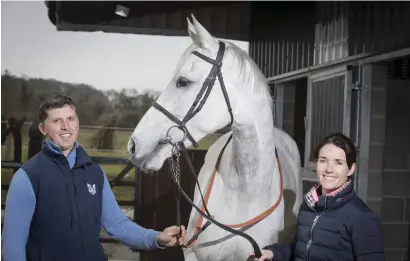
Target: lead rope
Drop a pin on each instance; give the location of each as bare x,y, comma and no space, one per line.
175,172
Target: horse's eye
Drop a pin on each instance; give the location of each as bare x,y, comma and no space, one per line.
183,82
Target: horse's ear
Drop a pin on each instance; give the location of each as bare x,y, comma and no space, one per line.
206,40
192,33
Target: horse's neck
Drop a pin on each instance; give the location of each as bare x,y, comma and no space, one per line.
252,162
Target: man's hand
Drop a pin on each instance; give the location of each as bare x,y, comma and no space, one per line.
267,255
172,236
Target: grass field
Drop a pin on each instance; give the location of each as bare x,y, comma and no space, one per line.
85,139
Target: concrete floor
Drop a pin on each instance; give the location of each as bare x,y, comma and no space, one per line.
119,252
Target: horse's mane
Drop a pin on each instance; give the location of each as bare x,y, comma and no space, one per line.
248,70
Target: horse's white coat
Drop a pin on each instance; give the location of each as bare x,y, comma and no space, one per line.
247,181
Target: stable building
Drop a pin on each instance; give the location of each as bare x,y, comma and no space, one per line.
332,66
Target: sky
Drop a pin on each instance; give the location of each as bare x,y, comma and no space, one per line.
31,46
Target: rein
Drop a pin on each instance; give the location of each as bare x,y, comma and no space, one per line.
178,147
207,215
198,229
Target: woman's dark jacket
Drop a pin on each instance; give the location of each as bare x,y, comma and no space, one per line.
335,228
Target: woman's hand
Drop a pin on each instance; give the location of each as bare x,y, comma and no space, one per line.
267,255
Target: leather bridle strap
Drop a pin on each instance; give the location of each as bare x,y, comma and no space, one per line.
179,123
203,94
197,105
207,216
216,71
199,229
205,201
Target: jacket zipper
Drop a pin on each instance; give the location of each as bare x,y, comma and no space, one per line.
311,230
78,212
311,236
70,205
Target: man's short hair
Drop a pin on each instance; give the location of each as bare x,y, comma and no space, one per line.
53,102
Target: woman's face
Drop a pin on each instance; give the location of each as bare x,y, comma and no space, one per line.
331,168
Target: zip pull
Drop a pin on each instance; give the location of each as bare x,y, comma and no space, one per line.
75,188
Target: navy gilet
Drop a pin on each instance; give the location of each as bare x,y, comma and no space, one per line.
66,222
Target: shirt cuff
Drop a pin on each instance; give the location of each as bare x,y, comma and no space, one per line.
155,243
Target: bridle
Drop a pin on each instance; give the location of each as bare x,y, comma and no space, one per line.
203,94
179,145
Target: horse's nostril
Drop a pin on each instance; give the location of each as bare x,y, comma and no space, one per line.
131,147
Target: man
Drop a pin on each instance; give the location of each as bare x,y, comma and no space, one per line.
59,199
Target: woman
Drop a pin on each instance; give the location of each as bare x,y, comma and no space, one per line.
333,223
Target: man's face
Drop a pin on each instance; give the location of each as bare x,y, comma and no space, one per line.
61,126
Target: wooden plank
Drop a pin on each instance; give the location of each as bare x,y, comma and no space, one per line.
125,203
109,160
121,175
122,183
10,164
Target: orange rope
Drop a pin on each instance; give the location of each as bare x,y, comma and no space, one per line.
249,222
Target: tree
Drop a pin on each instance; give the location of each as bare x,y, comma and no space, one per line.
21,96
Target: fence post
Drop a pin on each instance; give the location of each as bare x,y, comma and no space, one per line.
35,142
3,129
15,126
138,206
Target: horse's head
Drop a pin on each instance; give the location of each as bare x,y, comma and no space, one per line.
145,146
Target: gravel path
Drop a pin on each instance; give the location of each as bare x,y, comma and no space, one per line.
119,252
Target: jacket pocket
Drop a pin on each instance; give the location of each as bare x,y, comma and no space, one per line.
70,205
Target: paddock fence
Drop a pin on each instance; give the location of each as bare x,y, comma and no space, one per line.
153,203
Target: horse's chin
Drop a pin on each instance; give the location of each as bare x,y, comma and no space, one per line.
151,165
155,160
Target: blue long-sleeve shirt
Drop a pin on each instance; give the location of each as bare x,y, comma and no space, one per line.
21,204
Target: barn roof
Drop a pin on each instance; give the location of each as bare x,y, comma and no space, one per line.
151,17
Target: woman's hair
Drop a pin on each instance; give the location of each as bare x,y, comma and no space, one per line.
341,141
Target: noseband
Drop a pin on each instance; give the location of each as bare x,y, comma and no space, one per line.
179,145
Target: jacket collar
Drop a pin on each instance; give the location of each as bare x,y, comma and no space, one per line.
327,202
77,155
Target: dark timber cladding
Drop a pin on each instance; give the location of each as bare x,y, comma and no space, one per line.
229,20
288,36
282,36
378,26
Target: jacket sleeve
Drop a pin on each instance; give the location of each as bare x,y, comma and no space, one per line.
121,227
366,237
283,252
19,210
